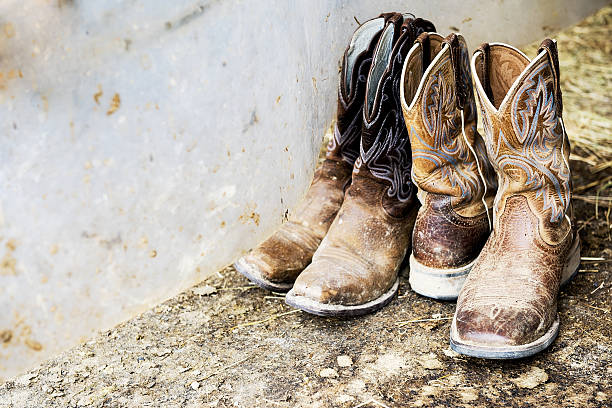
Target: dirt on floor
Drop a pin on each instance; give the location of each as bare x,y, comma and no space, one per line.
227,343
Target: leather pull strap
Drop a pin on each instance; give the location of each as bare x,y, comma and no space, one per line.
550,46
423,25
393,18
407,26
484,73
423,40
397,20
417,26
461,89
388,16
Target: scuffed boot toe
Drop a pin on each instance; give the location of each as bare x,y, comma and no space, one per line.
495,327
502,333
261,273
327,289
329,283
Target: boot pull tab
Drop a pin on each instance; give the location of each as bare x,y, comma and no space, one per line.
417,26
423,26
388,16
423,40
484,69
398,21
455,56
393,18
407,26
551,49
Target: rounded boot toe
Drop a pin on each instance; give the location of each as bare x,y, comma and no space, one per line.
329,283
497,327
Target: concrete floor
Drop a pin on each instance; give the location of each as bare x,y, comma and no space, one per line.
226,343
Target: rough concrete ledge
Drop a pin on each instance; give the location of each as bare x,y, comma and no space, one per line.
226,343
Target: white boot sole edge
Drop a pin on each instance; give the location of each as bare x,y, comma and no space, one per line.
437,283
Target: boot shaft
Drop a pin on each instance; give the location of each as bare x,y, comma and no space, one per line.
356,62
521,106
385,148
449,156
355,66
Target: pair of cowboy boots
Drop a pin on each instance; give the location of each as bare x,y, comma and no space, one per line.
516,257
341,253
506,267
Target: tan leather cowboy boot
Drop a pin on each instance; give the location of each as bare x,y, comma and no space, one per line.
449,165
508,305
355,269
276,262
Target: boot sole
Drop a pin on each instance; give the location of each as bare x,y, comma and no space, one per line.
437,283
254,275
327,310
523,350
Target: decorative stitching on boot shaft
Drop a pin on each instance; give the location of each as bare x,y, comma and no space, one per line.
532,155
443,161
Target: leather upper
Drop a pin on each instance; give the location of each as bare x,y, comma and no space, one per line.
524,135
385,146
445,162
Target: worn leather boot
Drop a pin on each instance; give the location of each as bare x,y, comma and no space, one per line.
276,262
449,165
355,269
508,305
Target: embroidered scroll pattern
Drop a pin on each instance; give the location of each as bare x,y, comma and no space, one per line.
444,146
345,143
537,151
389,157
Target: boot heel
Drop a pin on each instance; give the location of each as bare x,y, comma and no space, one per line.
437,283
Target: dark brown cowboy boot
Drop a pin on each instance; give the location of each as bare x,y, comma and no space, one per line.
449,165
355,269
276,262
508,305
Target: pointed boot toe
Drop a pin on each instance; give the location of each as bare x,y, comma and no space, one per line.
508,306
312,286
257,270
500,339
